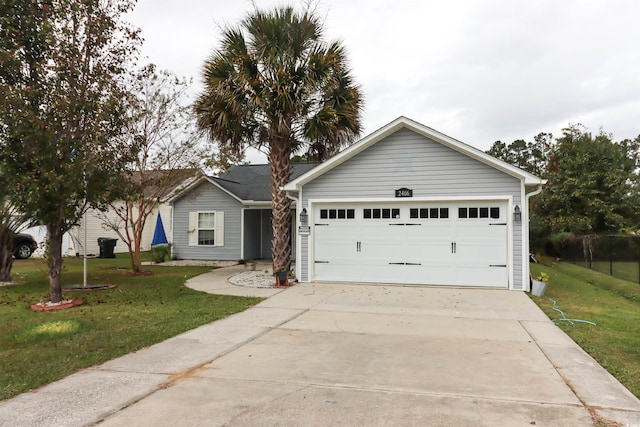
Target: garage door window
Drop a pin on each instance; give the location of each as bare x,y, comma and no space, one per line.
479,212
380,213
337,213
432,213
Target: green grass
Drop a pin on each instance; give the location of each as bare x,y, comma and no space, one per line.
621,269
612,304
37,348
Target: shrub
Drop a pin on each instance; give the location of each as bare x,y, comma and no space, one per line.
161,253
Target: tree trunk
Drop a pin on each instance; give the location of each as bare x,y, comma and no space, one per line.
54,238
6,253
134,234
137,254
280,162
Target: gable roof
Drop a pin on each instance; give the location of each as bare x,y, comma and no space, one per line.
253,182
245,183
405,123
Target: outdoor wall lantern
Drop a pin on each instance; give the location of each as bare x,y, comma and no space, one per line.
517,215
304,217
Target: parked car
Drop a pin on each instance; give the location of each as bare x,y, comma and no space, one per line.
23,245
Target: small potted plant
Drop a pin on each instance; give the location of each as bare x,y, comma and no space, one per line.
539,284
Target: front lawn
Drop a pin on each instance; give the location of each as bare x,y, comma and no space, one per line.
37,348
612,304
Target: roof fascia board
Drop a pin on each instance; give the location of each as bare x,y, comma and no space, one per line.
259,203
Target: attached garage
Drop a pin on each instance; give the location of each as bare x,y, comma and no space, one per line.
408,205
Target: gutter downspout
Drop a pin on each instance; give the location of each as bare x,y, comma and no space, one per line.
533,193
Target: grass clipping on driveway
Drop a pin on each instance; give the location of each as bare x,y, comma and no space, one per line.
37,348
612,304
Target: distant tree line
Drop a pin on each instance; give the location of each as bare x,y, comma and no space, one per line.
592,184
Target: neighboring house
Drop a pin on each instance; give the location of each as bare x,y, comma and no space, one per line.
227,217
404,205
96,227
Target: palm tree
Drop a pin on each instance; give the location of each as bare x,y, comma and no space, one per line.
275,85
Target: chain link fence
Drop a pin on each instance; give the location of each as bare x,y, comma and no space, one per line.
618,256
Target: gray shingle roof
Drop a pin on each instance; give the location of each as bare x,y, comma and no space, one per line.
253,182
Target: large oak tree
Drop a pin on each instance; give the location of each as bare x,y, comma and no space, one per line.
275,84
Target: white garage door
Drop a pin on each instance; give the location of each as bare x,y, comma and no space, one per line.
462,244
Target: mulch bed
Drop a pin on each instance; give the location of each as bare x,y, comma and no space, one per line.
92,287
62,305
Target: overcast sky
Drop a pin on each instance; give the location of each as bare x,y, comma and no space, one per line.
478,71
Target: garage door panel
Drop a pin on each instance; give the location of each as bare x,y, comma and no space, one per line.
338,271
480,276
429,274
334,249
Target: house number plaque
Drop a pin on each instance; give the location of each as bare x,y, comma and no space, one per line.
404,192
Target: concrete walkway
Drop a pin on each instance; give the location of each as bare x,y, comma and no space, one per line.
346,354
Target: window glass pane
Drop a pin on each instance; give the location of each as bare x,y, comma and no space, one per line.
462,212
495,213
444,212
206,237
424,213
341,213
473,212
376,213
323,214
386,213
332,214
413,213
206,220
367,213
484,212
433,213
395,213
351,213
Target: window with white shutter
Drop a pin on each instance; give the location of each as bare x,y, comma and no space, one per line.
206,228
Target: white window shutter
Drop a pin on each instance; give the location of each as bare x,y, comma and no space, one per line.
193,229
219,229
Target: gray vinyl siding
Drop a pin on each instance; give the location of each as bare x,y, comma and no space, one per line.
407,159
205,198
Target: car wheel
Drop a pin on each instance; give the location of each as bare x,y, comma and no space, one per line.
23,251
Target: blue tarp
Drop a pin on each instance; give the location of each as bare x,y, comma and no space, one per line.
159,237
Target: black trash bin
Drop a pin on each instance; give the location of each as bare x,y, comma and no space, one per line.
107,244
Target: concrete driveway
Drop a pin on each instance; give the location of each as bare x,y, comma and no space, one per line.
388,355
351,354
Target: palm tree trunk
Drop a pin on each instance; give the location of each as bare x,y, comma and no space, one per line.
54,235
280,161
